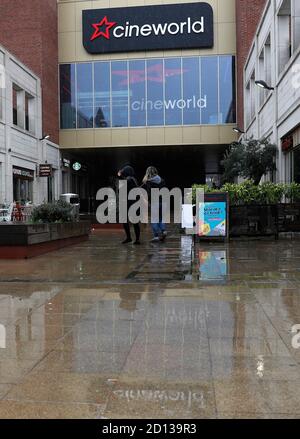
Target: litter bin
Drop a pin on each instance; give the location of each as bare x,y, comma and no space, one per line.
73,199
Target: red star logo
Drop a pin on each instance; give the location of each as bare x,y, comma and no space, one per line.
98,33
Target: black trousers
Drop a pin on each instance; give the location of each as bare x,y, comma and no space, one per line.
137,230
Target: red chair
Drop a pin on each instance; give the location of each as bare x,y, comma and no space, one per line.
17,213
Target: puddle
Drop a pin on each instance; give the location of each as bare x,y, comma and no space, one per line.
210,267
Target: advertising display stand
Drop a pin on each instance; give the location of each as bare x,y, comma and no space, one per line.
209,222
213,217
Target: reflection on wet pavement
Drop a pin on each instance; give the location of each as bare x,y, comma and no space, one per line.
159,331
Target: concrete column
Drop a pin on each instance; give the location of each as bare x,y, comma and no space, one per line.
2,181
32,115
8,175
21,108
283,40
43,181
268,68
9,195
58,183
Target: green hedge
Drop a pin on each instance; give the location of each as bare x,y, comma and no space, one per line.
56,212
249,193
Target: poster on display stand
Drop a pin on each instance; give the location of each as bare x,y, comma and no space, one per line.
213,217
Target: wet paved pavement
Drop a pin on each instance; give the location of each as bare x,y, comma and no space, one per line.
101,330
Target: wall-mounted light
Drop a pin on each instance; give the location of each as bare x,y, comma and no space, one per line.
238,130
262,84
45,137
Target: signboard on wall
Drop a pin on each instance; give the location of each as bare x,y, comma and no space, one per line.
45,170
66,163
213,216
157,27
23,173
76,166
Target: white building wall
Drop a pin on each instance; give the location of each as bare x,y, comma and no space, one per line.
288,94
2,137
265,117
23,145
253,129
265,29
19,147
279,113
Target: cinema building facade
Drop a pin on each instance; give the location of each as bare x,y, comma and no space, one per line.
146,85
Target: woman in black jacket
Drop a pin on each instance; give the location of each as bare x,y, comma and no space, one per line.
127,173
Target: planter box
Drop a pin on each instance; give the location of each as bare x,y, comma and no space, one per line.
253,220
28,240
289,217
264,220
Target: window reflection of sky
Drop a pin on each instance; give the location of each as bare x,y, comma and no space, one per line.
84,96
102,104
119,92
137,81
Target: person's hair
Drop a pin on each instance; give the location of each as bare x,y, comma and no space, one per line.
151,172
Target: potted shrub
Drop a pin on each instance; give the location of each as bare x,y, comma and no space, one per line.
57,212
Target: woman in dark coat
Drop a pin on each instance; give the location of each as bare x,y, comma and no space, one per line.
153,181
127,173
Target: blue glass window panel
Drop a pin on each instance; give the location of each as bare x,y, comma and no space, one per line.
102,94
173,92
119,81
85,110
67,96
137,93
160,95
191,91
155,92
227,89
209,90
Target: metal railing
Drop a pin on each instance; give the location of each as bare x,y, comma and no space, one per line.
14,212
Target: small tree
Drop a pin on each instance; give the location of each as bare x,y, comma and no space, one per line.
250,159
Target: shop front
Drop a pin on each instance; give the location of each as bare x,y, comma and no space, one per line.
290,145
23,185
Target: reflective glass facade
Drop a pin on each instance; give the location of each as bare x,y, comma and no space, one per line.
152,92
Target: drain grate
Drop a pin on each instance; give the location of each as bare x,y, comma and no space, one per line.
157,276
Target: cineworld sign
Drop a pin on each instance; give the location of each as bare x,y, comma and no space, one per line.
180,26
170,104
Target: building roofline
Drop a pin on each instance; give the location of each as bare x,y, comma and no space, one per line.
259,26
19,63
